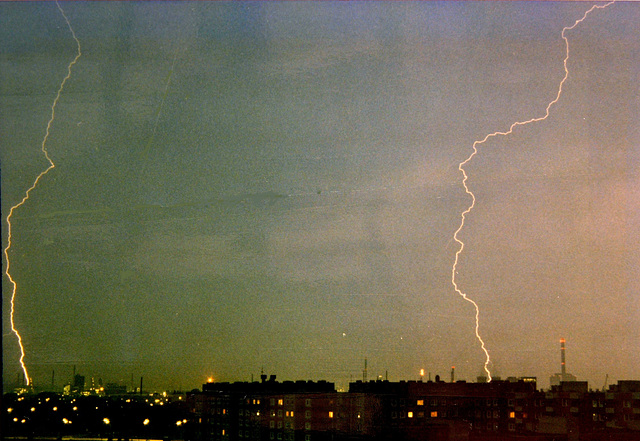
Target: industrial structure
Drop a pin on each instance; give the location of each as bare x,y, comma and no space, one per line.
563,376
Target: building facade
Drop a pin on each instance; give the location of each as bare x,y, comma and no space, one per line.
500,410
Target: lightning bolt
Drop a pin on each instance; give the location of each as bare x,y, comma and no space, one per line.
27,194
474,152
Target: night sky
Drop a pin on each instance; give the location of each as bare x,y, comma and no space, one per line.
247,186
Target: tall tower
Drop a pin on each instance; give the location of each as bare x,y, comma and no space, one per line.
556,379
563,366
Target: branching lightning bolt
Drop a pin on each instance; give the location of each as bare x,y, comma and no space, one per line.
476,144
28,192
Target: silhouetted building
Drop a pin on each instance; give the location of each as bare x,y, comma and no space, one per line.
78,383
500,410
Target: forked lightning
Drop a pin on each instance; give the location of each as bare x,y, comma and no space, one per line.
476,144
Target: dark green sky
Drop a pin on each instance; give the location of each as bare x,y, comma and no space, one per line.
248,185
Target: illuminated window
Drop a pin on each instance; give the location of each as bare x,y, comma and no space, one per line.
512,414
409,414
330,414
292,413
280,402
420,402
287,414
434,414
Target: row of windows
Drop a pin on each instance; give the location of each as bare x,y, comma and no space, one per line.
282,402
286,436
434,402
433,414
287,425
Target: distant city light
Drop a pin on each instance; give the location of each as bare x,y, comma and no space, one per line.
146,422
106,421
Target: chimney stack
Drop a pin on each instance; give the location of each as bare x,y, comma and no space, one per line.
562,359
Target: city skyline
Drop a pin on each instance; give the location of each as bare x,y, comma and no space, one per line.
249,186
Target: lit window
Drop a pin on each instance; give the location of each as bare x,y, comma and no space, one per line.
409,414
292,413
512,414
287,414
434,414
280,402
330,414
420,402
